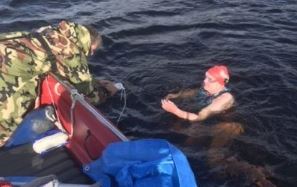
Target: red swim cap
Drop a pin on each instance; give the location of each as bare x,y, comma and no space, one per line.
219,73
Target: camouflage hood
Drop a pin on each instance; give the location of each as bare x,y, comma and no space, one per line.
78,34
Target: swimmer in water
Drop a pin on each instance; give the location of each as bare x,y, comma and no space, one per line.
215,98
214,94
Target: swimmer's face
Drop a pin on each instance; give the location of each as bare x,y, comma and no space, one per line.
211,84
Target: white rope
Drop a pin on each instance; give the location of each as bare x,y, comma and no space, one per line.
74,97
121,87
50,114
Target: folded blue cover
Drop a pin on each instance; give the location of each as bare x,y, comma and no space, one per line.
141,163
33,126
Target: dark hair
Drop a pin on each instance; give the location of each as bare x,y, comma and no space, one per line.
95,36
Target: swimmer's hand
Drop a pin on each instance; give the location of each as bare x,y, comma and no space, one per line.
169,106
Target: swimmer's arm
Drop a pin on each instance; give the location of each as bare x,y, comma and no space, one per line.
170,106
182,94
187,115
202,115
219,105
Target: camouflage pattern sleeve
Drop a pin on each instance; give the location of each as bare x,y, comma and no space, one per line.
21,63
72,53
77,72
23,60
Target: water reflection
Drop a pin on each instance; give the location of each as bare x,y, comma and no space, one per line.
217,139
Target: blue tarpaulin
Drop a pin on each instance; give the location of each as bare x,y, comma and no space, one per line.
142,163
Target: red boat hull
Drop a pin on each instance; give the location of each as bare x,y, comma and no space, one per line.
90,132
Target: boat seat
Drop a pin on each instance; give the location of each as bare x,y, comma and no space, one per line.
23,161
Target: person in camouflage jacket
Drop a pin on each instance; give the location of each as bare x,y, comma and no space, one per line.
24,60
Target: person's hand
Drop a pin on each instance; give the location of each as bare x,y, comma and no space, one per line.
43,28
109,85
169,106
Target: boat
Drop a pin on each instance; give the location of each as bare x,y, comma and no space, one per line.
89,130
89,133
56,159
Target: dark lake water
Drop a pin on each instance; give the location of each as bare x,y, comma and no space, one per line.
158,46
